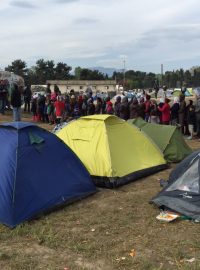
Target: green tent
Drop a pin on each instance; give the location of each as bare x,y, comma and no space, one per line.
168,139
177,92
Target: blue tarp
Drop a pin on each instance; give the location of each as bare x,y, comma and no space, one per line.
37,172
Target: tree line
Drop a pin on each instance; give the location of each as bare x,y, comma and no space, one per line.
45,70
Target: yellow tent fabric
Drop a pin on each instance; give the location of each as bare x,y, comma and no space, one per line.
111,148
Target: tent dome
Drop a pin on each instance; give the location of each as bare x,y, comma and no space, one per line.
37,172
113,151
167,138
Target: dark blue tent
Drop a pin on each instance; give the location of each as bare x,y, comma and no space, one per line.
37,172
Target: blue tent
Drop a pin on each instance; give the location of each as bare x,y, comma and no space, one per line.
37,172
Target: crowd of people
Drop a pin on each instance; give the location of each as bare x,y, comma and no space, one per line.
55,108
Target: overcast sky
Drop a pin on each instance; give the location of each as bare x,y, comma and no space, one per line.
91,33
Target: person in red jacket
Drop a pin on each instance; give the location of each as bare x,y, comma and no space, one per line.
165,110
59,109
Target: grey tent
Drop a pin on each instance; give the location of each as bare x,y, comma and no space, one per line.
182,194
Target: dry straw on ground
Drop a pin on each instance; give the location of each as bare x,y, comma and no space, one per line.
100,232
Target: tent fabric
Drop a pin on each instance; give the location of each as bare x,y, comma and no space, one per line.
177,92
182,194
168,139
113,151
36,177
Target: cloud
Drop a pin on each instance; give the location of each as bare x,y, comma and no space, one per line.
88,32
86,21
65,1
22,4
167,36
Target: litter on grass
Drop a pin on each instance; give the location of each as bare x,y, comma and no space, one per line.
167,216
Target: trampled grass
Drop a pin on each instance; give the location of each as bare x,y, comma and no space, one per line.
99,233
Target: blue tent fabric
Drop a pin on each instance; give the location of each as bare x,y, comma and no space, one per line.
17,125
33,181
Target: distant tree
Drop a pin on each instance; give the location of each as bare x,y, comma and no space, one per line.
196,77
149,80
77,73
188,78
32,76
118,76
40,70
44,70
87,74
62,71
50,72
18,67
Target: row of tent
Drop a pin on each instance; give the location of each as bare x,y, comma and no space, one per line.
39,170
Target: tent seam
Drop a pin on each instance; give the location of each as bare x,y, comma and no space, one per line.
16,163
108,148
151,140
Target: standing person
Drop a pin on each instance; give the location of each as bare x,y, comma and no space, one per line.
72,103
48,89
165,110
98,107
182,113
57,90
141,112
50,112
109,107
124,109
84,106
3,96
134,108
80,104
147,107
117,106
27,98
59,109
174,111
104,105
40,107
191,118
46,114
34,108
160,105
55,93
154,118
16,103
90,107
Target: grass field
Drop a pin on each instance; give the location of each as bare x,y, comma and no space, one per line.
111,230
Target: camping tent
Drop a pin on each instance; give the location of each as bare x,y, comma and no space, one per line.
168,139
112,150
37,172
182,194
177,92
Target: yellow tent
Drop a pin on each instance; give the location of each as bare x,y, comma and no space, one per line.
113,151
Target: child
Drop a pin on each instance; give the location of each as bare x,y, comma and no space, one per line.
59,109
34,108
